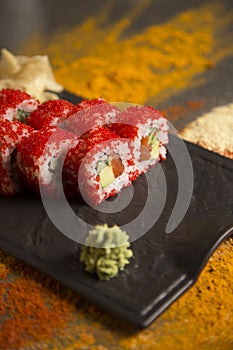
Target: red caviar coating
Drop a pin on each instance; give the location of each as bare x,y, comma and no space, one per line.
8,184
87,142
96,114
129,119
50,113
135,115
129,132
126,131
132,124
75,156
13,132
98,135
88,120
89,103
38,149
11,99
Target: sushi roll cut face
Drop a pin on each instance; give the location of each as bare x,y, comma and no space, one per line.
109,168
149,146
103,169
9,185
16,105
39,157
11,134
147,131
108,164
50,113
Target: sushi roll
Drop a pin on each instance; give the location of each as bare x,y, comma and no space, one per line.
11,134
99,166
89,103
16,105
90,114
9,185
39,157
147,131
50,113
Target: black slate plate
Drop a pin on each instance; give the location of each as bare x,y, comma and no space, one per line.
164,265
67,95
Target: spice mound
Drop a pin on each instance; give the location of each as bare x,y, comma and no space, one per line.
106,251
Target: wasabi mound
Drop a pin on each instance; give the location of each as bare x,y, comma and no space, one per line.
106,251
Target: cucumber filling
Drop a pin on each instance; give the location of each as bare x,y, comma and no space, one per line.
53,164
109,168
150,146
22,115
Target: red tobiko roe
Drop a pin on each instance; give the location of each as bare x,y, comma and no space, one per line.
126,131
89,103
98,135
6,185
135,115
50,113
13,132
43,144
13,97
129,119
88,141
91,114
34,146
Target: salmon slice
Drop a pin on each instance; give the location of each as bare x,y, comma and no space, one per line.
145,149
117,166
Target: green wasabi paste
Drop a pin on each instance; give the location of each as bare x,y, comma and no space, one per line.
106,251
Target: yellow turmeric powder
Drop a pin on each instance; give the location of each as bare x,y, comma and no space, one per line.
95,59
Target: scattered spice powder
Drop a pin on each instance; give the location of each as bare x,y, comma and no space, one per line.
174,113
32,307
97,59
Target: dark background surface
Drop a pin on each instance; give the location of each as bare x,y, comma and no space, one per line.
19,19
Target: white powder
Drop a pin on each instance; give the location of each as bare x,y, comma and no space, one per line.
213,130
